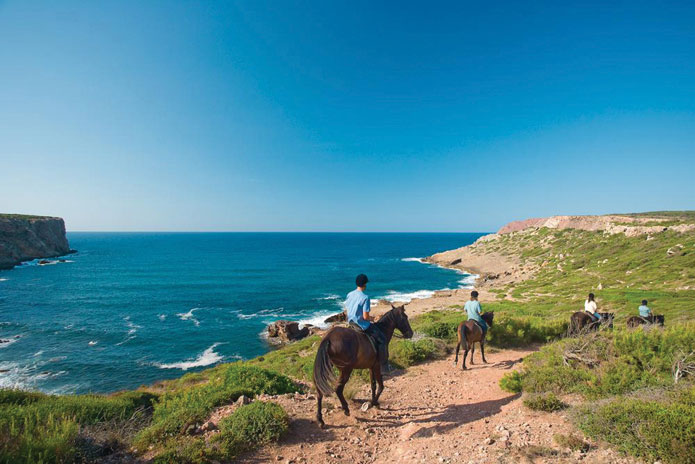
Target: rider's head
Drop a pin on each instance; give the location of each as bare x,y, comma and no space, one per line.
591,297
361,281
644,302
474,295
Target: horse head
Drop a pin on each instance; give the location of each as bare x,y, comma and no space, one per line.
488,316
400,320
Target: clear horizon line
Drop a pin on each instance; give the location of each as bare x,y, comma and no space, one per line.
275,232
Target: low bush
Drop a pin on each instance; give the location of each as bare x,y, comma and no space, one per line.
175,412
547,402
511,382
660,429
44,428
247,428
573,442
250,426
406,353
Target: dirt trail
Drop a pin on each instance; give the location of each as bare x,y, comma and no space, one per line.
430,413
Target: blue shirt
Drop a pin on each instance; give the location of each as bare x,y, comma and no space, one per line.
644,311
473,309
356,304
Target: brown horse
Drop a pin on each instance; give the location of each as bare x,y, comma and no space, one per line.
635,321
582,321
349,349
470,332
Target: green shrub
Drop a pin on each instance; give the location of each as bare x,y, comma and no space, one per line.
651,429
44,428
250,426
175,412
547,402
511,382
572,442
442,330
406,353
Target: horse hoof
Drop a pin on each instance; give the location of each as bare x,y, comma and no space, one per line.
375,404
322,425
347,413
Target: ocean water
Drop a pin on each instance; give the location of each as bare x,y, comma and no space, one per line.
132,308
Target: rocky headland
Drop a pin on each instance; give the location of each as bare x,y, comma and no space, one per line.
23,238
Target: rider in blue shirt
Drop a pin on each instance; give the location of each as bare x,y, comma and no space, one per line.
357,307
472,307
644,310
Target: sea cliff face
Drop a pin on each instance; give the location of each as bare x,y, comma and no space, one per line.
23,238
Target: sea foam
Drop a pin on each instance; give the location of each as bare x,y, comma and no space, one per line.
207,357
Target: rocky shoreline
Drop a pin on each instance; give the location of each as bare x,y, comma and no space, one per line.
25,238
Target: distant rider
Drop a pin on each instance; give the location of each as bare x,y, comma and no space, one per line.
357,307
644,310
591,308
472,307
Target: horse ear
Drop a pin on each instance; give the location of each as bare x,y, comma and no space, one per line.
403,308
392,306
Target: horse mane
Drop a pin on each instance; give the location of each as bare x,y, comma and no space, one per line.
388,316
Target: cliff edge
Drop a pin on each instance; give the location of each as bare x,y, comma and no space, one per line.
23,238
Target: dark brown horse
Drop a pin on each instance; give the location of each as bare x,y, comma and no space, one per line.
635,321
470,332
349,349
581,321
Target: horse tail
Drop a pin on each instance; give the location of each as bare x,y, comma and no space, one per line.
324,378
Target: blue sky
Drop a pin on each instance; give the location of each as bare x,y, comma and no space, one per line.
344,116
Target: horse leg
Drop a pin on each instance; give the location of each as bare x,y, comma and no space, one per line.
379,381
465,353
472,352
319,416
372,380
456,360
482,350
344,377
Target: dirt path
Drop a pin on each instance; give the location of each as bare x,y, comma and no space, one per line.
431,413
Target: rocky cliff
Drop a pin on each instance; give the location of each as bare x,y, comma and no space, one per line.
629,225
23,238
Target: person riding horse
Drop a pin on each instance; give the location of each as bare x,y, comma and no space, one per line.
474,311
591,308
644,310
357,308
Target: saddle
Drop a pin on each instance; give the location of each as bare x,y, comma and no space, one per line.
357,328
478,324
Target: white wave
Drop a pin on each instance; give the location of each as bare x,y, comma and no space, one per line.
189,316
38,353
317,320
26,376
92,343
207,357
468,281
393,296
416,260
330,297
3,279
126,340
162,317
5,342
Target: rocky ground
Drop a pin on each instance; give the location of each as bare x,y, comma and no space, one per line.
431,413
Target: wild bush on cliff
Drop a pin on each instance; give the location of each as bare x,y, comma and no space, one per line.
247,428
175,412
36,427
655,429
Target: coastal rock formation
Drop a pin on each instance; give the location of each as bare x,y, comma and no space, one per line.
612,224
339,317
287,331
23,238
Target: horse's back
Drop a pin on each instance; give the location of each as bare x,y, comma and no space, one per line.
351,345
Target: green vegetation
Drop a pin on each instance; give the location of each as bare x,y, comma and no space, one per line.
179,409
247,428
547,402
44,428
573,442
656,429
405,353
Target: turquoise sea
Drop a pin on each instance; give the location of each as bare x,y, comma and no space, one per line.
132,308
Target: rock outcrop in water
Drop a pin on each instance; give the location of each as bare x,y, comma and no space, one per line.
23,238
